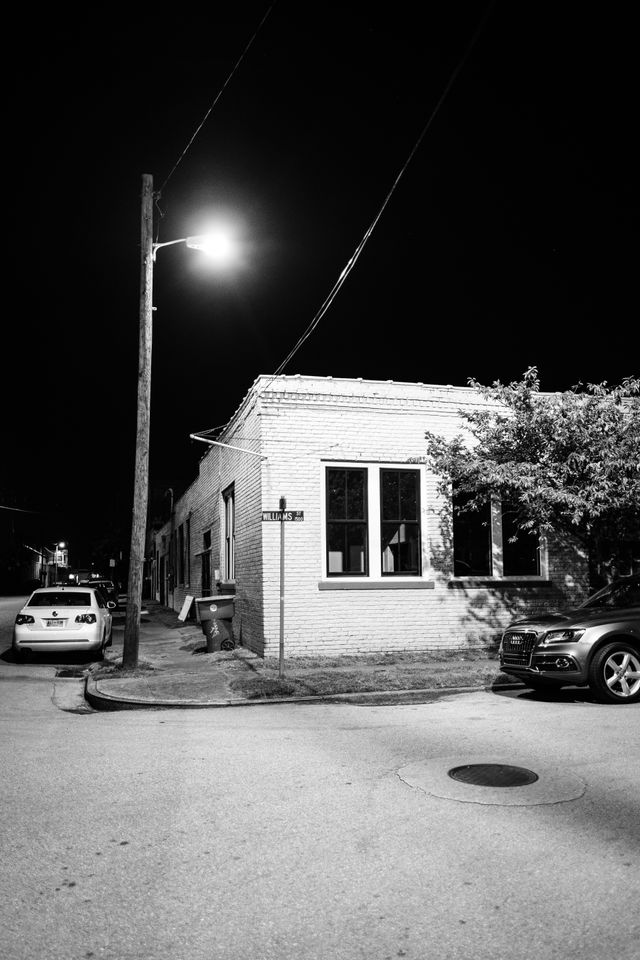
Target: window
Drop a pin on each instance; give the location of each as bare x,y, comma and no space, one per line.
229,533
520,550
487,543
187,550
181,553
54,599
347,551
471,539
373,522
400,522
206,563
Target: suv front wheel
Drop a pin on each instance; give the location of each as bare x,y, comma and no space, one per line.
614,674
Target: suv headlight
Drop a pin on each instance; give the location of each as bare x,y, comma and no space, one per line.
563,636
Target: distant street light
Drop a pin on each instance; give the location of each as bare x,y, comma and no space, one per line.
220,248
59,545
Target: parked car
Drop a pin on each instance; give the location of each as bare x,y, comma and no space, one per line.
63,619
597,644
108,588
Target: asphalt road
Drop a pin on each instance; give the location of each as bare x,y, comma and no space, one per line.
315,832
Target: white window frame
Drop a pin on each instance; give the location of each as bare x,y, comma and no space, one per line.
373,469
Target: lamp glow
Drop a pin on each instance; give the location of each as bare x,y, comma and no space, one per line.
217,246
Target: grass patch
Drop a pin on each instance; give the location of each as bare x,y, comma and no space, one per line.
264,688
325,676
368,660
114,668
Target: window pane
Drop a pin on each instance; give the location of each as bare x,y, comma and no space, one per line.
206,574
356,498
347,537
346,494
60,600
229,533
346,548
520,558
400,528
389,492
400,494
401,548
409,495
471,540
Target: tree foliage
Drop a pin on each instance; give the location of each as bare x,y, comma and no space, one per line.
567,463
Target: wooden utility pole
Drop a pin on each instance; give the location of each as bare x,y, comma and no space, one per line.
141,479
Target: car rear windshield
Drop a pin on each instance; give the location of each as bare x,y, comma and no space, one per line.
67,599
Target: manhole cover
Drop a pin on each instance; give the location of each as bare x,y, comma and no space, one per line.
493,775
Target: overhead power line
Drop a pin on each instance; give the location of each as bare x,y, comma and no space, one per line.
352,261
217,97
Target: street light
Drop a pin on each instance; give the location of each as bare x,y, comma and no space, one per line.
219,247
58,545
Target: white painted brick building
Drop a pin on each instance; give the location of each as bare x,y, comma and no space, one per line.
372,566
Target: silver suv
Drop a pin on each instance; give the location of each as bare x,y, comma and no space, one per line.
596,644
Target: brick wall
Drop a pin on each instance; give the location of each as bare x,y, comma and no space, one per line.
300,424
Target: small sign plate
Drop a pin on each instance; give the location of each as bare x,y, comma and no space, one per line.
186,606
283,515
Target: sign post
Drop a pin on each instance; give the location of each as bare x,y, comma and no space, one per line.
283,506
282,515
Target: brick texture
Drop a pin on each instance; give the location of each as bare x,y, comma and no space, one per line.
300,424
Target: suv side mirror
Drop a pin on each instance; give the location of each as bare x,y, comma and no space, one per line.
111,605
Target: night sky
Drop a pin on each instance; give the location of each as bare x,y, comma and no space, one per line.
507,242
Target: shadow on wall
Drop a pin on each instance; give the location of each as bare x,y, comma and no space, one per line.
490,607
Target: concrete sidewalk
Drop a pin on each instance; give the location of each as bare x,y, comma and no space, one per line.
174,668
175,671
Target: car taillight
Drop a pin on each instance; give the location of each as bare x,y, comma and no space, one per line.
86,618
24,618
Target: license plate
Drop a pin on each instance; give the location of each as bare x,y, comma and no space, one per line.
55,623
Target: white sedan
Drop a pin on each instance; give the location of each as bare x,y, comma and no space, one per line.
63,619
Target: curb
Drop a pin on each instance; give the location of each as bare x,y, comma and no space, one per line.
104,702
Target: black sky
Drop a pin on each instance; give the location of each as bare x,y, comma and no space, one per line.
509,241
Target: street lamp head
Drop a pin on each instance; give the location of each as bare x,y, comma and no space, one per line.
218,246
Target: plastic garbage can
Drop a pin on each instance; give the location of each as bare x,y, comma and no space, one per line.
216,614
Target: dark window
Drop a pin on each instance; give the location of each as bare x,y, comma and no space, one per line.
60,600
181,554
229,533
520,553
206,564
471,539
187,550
400,522
347,539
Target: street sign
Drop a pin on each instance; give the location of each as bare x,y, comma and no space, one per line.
283,514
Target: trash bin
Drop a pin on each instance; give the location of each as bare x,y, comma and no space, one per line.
215,614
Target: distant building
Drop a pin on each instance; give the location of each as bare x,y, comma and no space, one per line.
372,559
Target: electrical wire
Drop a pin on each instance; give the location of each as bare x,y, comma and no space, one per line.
352,261
354,257
158,194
